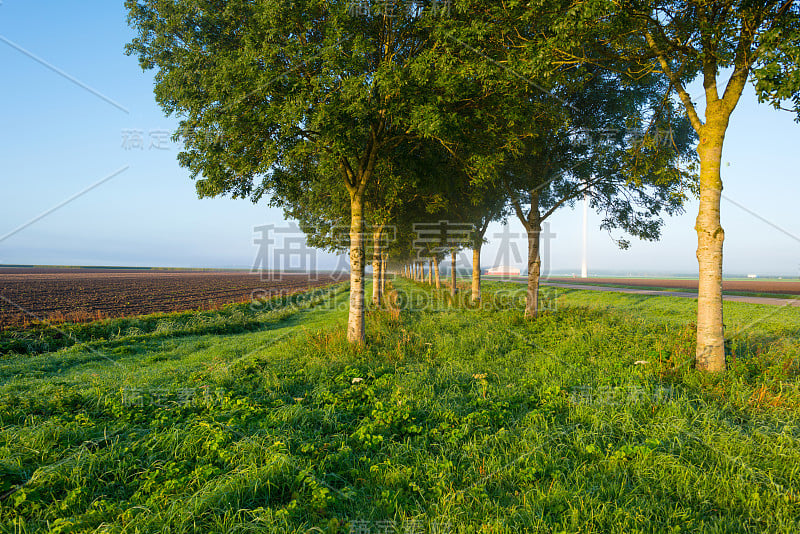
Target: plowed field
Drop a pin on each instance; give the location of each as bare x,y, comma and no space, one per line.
34,294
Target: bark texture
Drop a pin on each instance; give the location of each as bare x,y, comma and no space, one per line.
436,272
534,230
384,262
453,288
355,321
710,353
376,268
476,274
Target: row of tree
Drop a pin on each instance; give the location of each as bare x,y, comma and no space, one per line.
375,120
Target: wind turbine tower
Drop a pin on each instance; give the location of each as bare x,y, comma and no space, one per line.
584,264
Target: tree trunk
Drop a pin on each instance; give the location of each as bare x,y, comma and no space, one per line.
355,322
710,350
430,272
436,272
376,267
384,262
534,229
453,288
476,274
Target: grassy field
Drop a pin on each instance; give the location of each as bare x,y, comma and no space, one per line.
452,419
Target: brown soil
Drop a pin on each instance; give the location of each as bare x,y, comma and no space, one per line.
33,294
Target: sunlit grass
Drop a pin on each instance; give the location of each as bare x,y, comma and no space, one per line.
452,418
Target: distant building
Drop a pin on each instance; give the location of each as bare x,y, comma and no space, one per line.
503,271
752,276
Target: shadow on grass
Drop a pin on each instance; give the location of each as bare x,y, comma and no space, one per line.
126,350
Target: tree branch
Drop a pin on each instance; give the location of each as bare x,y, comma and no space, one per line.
697,124
518,207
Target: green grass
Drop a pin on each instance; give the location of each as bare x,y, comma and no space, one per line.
232,318
464,420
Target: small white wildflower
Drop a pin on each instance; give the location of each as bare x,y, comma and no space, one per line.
357,380
640,362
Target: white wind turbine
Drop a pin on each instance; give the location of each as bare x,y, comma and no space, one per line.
584,263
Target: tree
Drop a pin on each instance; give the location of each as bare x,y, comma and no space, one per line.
473,203
683,41
494,210
267,86
609,144
322,208
566,130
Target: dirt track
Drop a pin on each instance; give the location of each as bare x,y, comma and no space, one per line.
752,299
753,286
85,294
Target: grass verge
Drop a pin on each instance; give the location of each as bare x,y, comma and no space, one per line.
452,419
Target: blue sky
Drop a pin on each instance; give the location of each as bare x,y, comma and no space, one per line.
58,138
